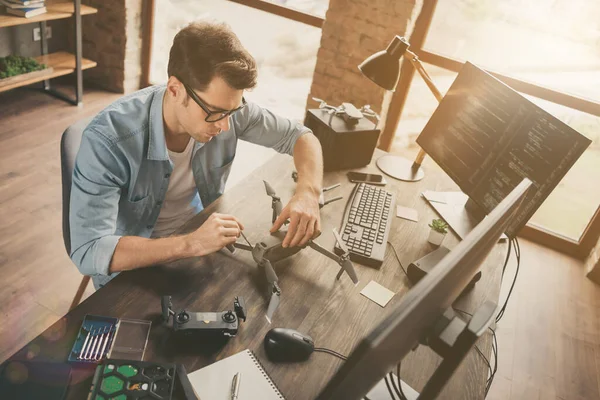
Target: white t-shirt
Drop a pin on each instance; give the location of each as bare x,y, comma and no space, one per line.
182,201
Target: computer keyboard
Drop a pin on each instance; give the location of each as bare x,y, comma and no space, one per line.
366,224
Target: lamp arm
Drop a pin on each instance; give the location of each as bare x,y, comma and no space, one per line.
414,59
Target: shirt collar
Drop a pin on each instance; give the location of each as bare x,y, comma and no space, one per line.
157,146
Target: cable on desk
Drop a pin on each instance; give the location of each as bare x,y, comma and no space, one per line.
397,258
332,352
515,243
387,383
400,390
507,257
491,370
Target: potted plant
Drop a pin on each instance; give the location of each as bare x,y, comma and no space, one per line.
439,228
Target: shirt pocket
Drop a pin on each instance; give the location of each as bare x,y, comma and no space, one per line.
134,215
218,177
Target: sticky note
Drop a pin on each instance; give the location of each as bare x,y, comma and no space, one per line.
377,293
407,213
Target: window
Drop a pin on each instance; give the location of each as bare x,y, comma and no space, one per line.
285,50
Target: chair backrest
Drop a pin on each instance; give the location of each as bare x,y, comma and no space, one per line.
69,146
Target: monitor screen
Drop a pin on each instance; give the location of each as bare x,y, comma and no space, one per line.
487,138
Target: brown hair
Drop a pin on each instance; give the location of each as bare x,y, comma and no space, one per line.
203,50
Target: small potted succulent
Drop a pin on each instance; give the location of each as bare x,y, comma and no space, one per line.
439,228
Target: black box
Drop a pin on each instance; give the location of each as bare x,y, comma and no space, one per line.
345,145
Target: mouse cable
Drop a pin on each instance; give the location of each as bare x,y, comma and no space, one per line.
397,258
332,352
336,354
517,247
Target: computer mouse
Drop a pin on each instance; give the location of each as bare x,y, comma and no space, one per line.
288,345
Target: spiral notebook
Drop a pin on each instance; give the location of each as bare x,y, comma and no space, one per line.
213,382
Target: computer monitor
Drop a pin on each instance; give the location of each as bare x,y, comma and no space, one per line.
422,308
487,138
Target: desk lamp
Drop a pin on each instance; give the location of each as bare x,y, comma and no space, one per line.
383,68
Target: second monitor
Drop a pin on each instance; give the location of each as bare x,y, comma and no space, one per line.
487,138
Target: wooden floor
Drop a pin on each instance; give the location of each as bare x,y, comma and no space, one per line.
549,339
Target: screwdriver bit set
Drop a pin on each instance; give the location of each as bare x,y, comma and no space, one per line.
105,337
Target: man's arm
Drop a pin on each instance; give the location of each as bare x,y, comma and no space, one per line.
303,208
133,252
261,126
95,194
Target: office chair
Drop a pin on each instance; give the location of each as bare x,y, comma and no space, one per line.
69,145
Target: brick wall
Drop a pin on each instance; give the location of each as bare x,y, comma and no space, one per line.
353,30
113,38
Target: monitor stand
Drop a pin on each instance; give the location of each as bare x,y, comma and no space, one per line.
457,209
452,338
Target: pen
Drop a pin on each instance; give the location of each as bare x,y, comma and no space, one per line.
235,386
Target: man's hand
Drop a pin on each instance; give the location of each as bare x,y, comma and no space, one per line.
216,232
305,219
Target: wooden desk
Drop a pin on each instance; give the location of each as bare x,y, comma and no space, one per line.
313,301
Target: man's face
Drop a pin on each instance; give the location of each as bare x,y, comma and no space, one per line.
219,98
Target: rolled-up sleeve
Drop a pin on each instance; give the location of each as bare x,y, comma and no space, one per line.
260,126
95,194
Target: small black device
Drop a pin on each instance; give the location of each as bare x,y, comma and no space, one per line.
418,269
225,323
372,179
344,145
288,345
367,223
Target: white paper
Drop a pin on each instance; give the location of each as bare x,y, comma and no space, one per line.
377,293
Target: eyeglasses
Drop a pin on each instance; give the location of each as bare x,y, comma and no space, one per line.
212,116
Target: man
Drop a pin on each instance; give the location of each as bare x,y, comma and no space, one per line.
153,159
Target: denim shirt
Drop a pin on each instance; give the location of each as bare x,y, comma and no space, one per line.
122,172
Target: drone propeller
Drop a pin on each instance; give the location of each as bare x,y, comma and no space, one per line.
276,202
345,262
274,302
269,189
275,290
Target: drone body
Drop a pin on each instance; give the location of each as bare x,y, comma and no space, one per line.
270,250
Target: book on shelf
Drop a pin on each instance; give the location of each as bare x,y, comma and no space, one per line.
26,12
23,4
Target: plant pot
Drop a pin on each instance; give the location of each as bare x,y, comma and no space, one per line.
436,238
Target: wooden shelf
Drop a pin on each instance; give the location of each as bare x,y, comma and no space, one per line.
55,11
62,63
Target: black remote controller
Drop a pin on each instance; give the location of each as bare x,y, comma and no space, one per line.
224,322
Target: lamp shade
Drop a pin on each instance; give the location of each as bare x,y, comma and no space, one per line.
383,67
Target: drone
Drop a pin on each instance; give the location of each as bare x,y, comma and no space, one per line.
348,111
269,250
